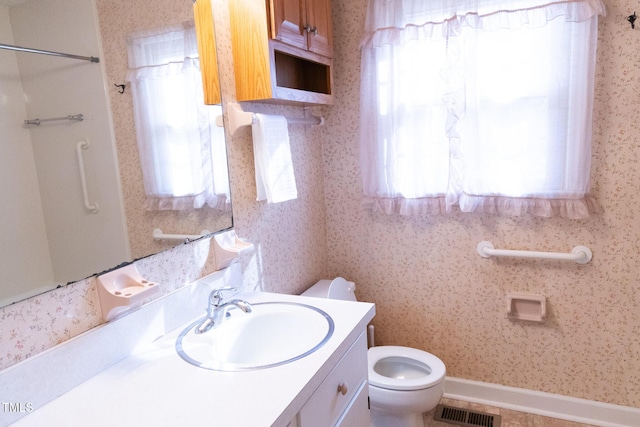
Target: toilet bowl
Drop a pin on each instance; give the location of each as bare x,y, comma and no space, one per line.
404,382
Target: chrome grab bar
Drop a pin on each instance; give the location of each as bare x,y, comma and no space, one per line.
77,117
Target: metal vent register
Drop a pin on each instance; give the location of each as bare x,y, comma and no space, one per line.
463,417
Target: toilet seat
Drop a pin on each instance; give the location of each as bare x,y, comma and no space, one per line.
404,368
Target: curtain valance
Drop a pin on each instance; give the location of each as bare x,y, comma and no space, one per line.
444,18
162,46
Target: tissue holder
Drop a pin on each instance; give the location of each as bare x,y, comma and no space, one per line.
122,290
526,307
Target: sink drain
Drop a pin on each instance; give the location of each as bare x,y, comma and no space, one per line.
463,417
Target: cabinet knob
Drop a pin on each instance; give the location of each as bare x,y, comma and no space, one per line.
342,389
310,29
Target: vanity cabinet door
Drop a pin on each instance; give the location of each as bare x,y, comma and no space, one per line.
342,391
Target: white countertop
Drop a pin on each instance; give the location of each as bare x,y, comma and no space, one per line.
155,387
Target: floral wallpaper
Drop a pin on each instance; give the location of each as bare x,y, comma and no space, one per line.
31,326
432,290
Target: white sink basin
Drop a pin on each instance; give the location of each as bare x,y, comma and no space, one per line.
274,333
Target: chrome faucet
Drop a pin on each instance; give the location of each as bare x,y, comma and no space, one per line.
218,311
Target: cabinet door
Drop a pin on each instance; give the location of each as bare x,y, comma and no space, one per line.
207,49
320,40
288,22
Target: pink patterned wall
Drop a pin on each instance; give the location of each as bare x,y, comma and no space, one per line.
433,291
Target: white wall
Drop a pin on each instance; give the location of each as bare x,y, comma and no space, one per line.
20,206
81,243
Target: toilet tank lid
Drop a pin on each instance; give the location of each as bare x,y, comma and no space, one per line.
338,288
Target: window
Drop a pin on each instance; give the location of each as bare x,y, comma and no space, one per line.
182,151
478,106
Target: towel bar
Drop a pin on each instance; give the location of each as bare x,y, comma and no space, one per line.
239,118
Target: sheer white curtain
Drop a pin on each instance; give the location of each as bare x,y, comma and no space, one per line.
181,149
481,106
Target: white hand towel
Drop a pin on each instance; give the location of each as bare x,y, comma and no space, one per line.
275,180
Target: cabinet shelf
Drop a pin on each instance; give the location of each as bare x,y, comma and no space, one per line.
297,78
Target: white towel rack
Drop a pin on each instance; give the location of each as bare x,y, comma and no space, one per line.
579,254
159,235
239,118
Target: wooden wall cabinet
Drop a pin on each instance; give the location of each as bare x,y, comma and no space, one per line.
282,50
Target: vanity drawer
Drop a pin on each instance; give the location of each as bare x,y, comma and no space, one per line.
328,402
357,413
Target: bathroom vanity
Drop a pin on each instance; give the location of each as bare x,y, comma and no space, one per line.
153,386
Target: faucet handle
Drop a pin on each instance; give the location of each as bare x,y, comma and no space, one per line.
217,294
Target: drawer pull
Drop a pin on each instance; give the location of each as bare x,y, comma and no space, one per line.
342,389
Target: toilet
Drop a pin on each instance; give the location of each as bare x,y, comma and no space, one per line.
404,382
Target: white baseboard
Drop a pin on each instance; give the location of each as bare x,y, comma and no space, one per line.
546,404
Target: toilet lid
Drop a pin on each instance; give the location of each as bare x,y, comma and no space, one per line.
404,368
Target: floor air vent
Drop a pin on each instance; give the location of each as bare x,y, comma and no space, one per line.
463,417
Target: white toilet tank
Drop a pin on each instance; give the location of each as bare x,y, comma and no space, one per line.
337,288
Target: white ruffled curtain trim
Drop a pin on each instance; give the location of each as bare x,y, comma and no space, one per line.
172,69
187,202
160,46
395,21
509,206
579,208
406,207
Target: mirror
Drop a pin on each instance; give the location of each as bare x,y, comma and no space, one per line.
55,228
